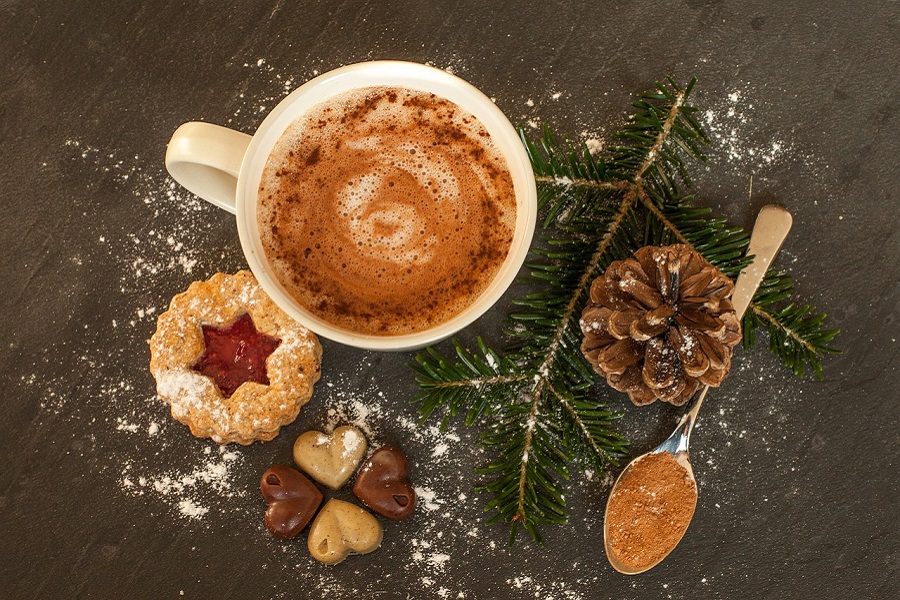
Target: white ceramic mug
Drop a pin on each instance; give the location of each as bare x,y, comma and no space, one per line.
224,167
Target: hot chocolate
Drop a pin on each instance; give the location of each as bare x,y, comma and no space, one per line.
386,210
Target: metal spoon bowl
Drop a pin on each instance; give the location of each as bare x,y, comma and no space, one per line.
770,230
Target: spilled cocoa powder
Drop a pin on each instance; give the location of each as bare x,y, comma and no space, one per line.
649,511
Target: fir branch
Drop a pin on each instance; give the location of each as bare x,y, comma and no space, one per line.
570,179
525,479
796,332
678,221
576,300
537,401
469,384
590,426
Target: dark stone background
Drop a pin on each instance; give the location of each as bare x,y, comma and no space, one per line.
799,478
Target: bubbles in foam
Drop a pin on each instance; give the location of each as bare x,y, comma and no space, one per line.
410,203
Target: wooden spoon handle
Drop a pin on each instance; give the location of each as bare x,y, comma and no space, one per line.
772,226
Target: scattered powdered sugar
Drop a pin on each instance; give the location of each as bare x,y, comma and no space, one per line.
123,425
147,255
439,450
189,509
355,412
187,387
351,441
427,499
594,145
741,136
143,262
189,491
727,127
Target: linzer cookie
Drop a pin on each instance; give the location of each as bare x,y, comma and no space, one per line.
232,365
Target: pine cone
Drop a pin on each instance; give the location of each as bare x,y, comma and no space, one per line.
661,324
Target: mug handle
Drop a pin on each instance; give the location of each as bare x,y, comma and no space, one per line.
206,159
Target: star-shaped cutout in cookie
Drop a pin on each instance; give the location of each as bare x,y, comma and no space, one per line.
235,354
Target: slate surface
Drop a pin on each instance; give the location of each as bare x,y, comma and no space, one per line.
799,478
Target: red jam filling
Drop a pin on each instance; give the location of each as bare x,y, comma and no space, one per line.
235,354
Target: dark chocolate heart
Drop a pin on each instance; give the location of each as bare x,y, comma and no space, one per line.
383,484
293,500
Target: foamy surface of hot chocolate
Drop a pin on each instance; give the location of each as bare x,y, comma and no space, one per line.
386,211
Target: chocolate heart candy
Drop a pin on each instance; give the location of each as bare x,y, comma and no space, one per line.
383,484
293,500
340,529
331,458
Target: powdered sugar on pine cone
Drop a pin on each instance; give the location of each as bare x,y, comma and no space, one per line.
661,324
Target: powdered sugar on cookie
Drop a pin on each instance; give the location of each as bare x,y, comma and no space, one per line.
254,411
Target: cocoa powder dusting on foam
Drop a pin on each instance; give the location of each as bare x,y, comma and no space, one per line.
386,211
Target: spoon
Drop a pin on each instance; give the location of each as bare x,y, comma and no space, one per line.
772,226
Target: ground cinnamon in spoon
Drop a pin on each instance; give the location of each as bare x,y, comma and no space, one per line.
649,511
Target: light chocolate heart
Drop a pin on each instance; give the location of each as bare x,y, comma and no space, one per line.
383,484
340,529
331,458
